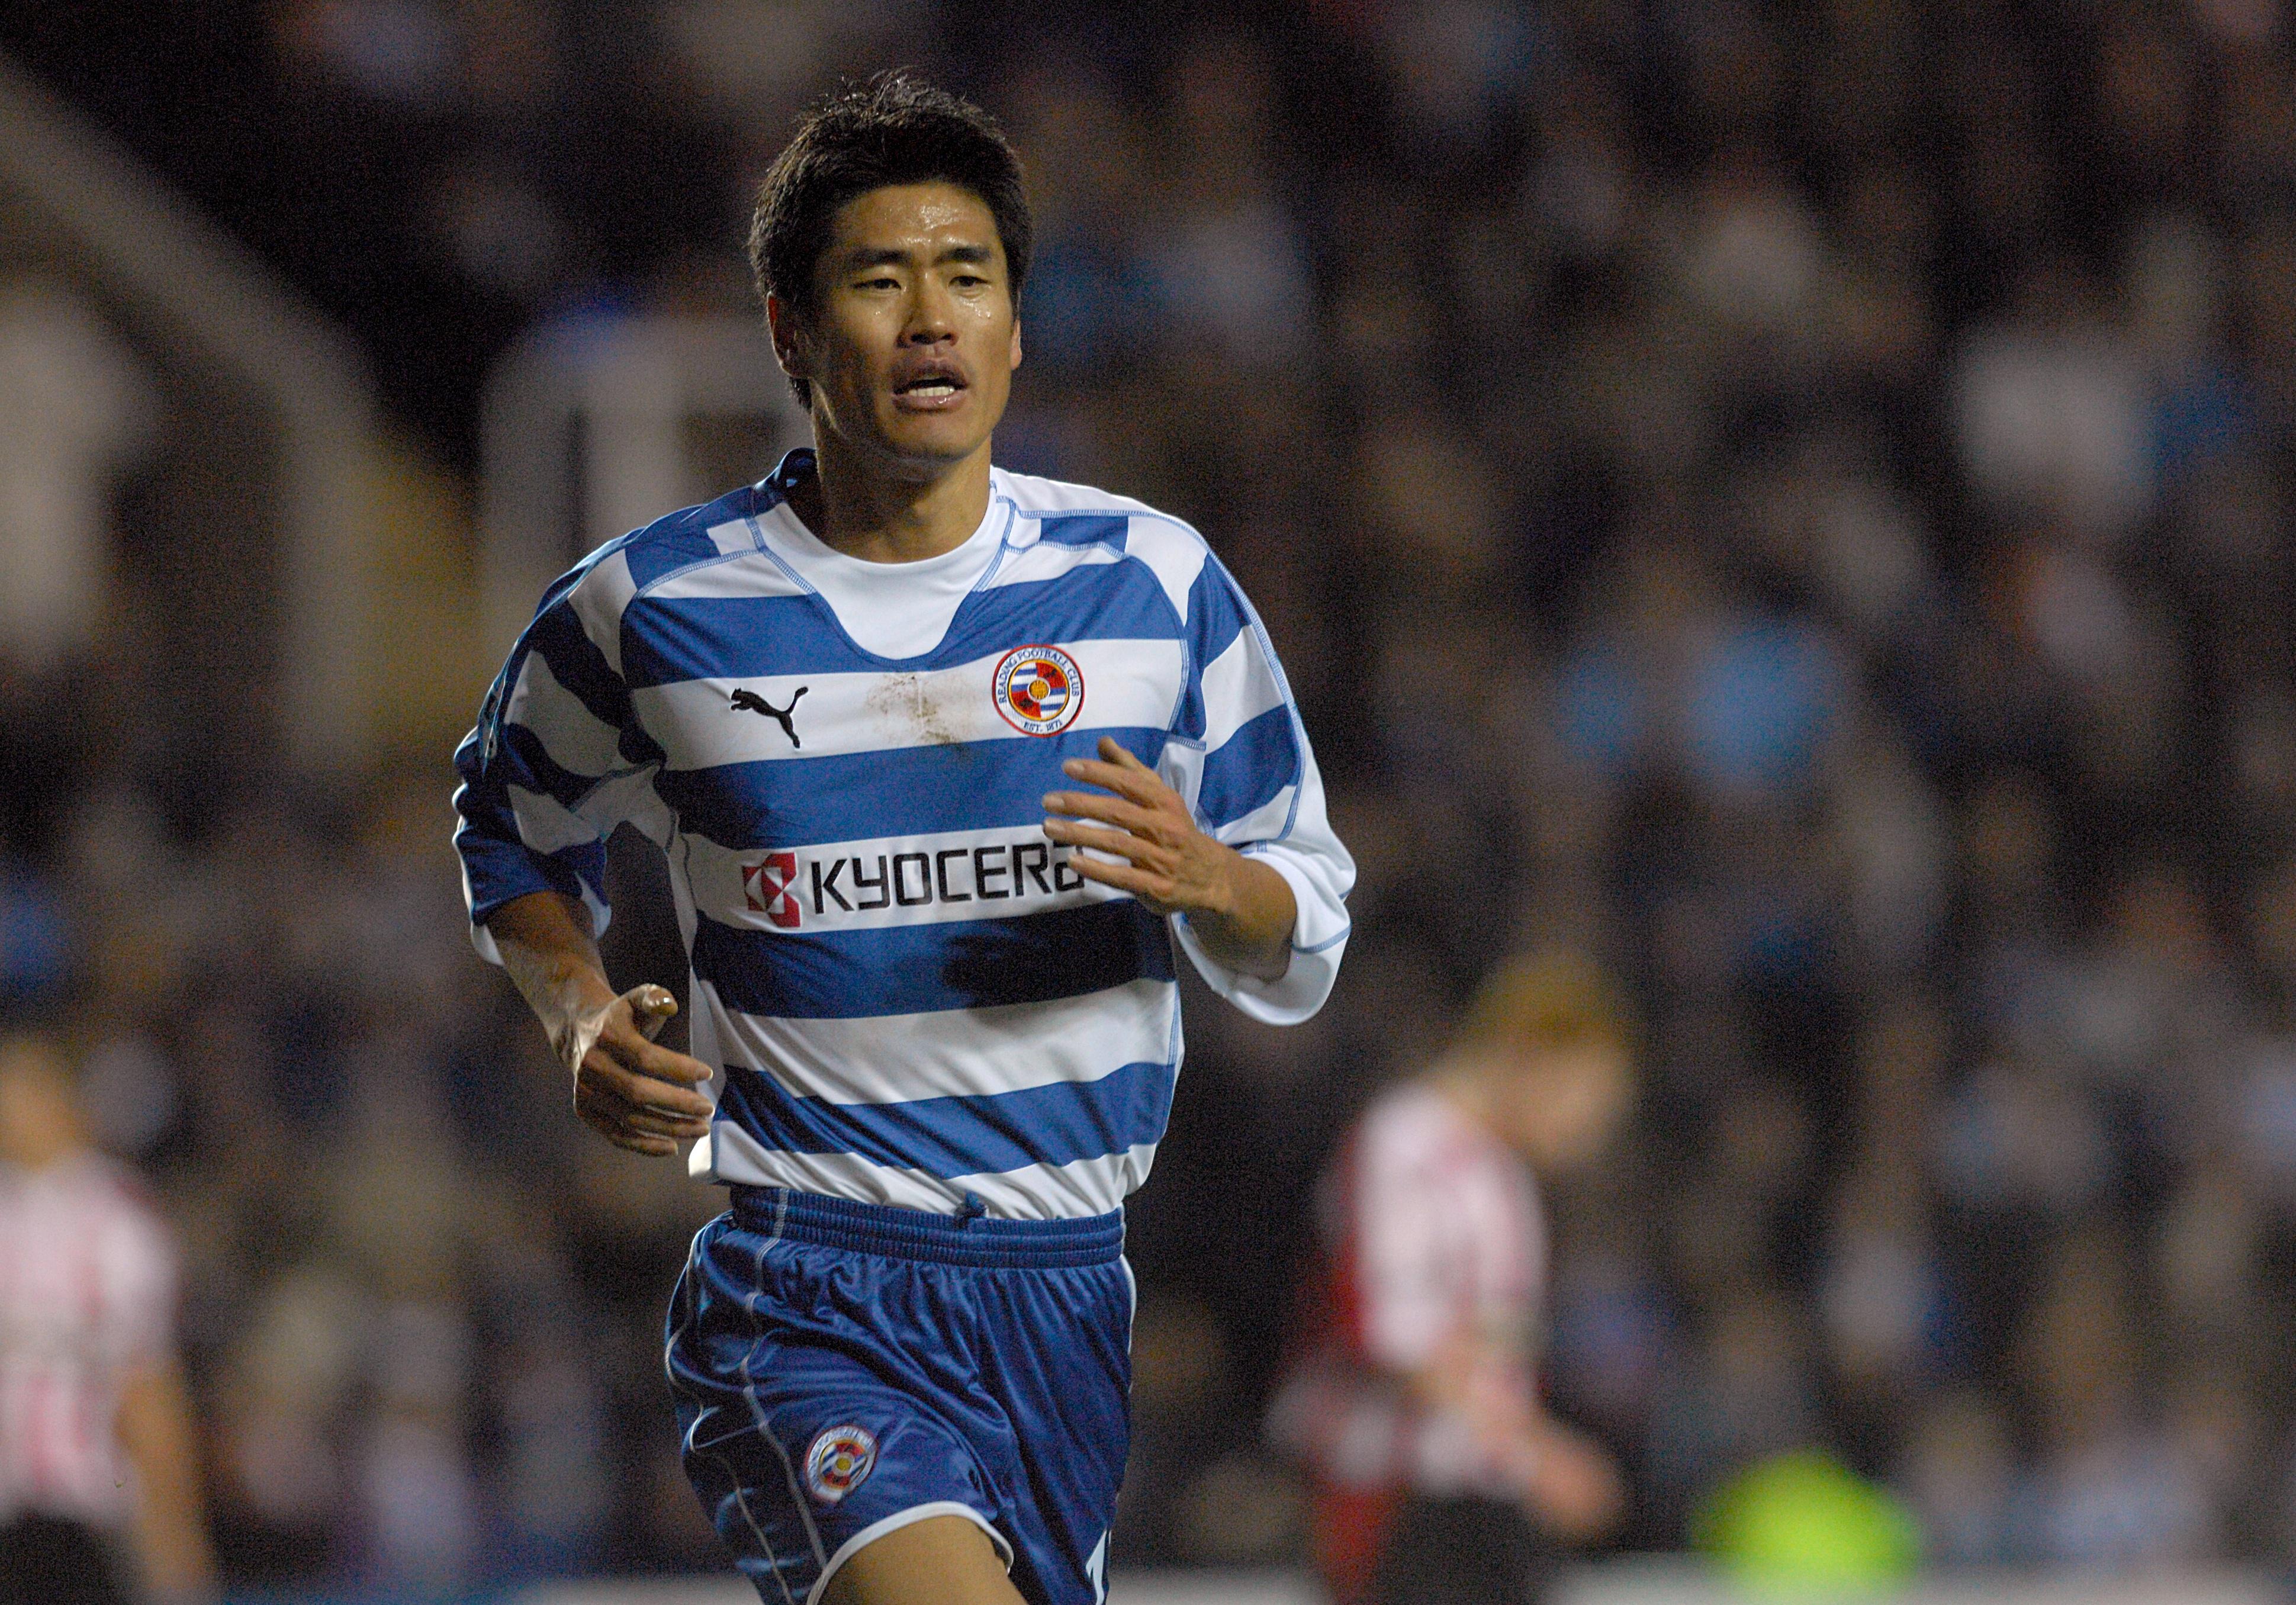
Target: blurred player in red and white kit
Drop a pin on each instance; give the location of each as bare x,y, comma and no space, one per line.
99,1493
1439,1475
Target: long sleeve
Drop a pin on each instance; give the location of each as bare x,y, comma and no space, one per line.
1240,755
550,768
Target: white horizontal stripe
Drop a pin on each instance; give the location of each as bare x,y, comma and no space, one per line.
1125,684
1050,559
955,1052
1237,688
752,575
545,825
628,795
1036,496
598,600
1032,1192
733,535
927,879
1175,554
1182,768
576,739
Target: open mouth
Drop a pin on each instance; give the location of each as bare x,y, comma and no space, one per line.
925,387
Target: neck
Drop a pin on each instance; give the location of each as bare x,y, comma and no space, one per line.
859,505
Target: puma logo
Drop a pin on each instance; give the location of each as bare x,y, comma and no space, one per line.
749,701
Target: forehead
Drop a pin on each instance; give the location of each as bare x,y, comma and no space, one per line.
935,215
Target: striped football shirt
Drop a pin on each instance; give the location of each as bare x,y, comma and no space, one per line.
907,992
87,1303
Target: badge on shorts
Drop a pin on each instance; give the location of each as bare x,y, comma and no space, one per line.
838,1461
1039,690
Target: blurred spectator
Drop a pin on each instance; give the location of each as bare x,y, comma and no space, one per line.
99,1468
1440,1474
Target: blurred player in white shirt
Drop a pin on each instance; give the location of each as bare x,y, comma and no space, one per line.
1439,1474
96,1455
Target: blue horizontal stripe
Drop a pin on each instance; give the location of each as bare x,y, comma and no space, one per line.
947,1137
1085,529
502,867
905,791
522,761
1250,767
1216,618
681,539
1098,602
925,969
1216,611
576,664
666,640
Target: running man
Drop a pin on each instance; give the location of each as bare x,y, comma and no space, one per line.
944,761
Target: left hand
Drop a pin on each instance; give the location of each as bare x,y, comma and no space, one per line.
1169,864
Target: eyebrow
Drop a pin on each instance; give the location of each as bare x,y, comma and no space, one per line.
893,256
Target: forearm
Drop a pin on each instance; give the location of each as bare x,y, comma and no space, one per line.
551,957
171,1538
1250,931
637,1095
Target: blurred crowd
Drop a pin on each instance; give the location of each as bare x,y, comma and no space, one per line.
1792,500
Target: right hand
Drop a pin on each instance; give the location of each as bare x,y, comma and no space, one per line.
634,1094
1573,1487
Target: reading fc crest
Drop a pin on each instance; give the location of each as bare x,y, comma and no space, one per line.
841,1458
1038,690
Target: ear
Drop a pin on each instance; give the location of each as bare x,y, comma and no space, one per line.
1016,342
789,343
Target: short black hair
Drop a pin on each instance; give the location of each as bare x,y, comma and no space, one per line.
893,129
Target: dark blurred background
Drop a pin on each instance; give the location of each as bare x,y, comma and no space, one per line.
1792,498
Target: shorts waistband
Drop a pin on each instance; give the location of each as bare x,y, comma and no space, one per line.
966,1238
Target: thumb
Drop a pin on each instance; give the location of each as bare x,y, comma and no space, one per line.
651,1007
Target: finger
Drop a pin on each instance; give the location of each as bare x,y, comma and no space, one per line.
663,1064
667,1064
1141,785
1115,752
1109,810
1150,889
636,1087
642,1091
651,1005
639,1116
605,1111
1139,849
654,1147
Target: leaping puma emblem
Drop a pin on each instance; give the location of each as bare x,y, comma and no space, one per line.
752,702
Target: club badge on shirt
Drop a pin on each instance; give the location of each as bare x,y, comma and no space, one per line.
1039,690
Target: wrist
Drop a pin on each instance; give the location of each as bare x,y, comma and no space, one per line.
579,1002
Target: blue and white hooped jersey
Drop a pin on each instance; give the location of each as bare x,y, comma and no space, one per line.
908,992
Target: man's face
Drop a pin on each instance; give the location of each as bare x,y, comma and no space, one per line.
912,339
1566,1104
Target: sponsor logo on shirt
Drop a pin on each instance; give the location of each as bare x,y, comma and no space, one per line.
771,884
1039,690
790,886
838,1461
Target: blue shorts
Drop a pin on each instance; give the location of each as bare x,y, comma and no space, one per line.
842,1370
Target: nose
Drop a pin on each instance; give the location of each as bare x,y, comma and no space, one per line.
930,319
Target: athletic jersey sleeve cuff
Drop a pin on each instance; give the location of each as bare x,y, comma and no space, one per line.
1319,937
